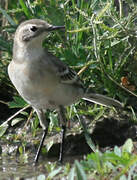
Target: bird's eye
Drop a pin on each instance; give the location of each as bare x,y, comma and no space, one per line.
34,28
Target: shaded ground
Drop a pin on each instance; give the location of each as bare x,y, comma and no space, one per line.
5,96
107,132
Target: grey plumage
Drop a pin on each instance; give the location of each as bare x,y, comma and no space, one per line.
43,80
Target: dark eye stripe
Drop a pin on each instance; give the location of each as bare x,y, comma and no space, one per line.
34,28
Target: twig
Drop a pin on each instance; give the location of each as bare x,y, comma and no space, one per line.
82,69
2,102
120,9
14,115
127,90
28,120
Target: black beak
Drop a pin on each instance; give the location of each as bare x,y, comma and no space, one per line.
52,28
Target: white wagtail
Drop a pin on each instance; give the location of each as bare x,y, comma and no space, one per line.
43,80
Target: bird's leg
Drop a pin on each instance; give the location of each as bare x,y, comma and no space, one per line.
45,124
40,145
63,131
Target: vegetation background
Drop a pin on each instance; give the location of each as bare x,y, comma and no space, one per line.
100,44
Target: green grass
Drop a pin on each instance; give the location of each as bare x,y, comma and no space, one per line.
100,44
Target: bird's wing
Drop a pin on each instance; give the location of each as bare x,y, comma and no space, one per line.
64,72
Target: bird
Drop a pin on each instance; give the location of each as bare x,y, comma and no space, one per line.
44,81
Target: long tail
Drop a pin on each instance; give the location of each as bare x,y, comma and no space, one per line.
102,100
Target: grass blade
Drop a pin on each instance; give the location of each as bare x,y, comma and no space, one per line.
7,17
80,171
25,9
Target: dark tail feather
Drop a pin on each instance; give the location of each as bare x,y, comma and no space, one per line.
102,100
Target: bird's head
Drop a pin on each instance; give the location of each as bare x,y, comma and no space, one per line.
33,31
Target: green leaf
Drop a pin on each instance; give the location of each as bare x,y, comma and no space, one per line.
80,171
71,175
5,45
8,17
128,146
54,173
21,150
117,151
16,121
25,9
87,136
123,177
3,129
17,103
35,123
24,113
41,177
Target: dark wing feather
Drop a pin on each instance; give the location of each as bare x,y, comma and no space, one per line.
66,74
